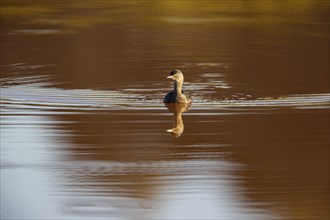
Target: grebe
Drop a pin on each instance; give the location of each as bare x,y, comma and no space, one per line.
176,96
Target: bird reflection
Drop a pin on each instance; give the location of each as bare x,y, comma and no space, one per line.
177,109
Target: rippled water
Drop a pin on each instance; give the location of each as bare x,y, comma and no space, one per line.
37,93
84,132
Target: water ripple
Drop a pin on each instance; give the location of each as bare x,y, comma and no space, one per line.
36,92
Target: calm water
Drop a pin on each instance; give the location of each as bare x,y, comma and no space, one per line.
84,130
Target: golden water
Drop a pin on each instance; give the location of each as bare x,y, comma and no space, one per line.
84,130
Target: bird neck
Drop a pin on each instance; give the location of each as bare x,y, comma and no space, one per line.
178,86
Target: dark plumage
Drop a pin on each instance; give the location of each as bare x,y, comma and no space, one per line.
177,95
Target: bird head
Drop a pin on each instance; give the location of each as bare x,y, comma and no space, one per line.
176,75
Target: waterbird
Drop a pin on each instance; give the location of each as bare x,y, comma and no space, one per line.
177,95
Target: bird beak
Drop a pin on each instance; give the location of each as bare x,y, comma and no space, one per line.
169,130
169,77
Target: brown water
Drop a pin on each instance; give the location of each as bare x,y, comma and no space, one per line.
83,126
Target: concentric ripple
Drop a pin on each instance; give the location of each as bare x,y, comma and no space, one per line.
36,92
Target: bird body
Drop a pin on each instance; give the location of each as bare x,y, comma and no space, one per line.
177,95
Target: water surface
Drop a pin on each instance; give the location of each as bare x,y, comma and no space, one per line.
84,130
